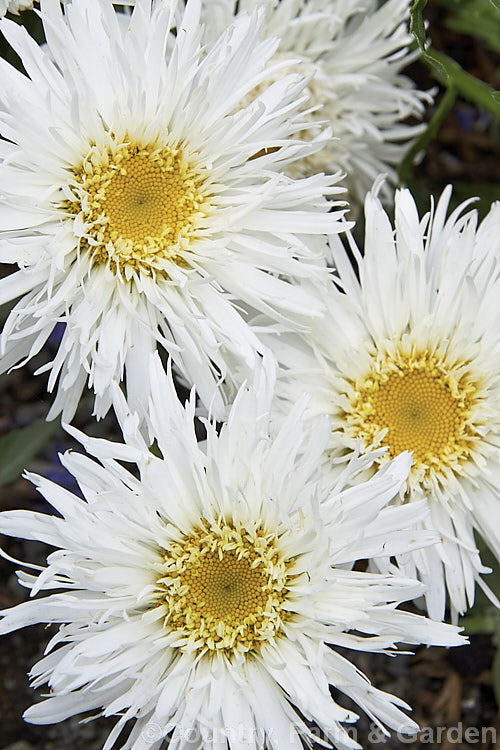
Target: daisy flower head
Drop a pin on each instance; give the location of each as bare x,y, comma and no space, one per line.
408,358
141,209
14,6
353,54
205,597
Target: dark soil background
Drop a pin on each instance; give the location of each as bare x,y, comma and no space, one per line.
447,689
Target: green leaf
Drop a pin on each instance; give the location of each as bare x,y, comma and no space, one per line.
467,85
417,25
479,18
18,447
439,70
447,70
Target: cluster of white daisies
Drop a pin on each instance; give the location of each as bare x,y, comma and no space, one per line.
174,181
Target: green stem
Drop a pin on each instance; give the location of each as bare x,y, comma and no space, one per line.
446,103
417,25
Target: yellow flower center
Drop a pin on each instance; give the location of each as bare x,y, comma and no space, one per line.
416,402
223,588
419,410
227,588
141,205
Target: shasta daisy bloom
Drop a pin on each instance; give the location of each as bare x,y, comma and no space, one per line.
136,204
200,598
14,6
354,53
408,358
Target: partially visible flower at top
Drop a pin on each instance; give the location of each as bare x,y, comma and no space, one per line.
14,6
355,53
139,206
205,599
409,358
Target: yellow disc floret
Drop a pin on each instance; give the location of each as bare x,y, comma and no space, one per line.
223,588
140,205
415,402
419,410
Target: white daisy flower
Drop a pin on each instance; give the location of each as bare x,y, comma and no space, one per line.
201,599
137,206
408,358
354,53
14,6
